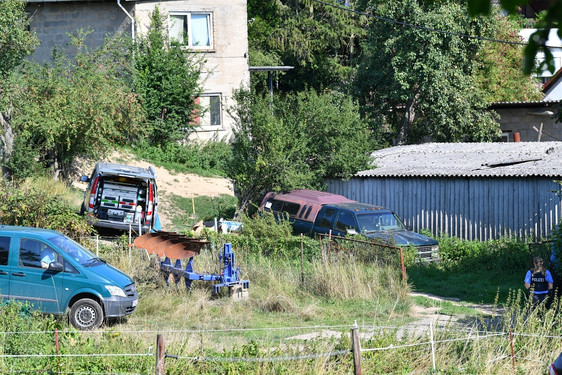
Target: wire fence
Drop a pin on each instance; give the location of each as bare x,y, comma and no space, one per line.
423,337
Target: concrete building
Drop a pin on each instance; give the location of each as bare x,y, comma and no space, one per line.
216,30
529,121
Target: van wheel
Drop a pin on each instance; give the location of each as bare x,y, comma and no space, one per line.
86,314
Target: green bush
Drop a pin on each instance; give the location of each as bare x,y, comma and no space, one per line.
28,206
491,255
207,159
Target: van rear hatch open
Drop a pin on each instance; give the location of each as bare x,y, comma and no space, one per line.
122,196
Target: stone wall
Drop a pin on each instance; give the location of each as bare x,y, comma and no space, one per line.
54,20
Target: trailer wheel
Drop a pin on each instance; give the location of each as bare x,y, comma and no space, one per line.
86,314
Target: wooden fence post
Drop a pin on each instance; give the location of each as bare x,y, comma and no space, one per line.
302,260
356,349
404,275
160,354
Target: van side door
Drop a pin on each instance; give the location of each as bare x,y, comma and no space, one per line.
4,266
31,281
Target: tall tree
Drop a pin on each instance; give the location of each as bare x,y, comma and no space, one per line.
499,66
537,41
167,81
16,42
320,41
421,83
295,142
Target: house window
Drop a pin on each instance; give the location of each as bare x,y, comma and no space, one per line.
191,29
211,106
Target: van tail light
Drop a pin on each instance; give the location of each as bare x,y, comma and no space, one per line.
93,193
150,203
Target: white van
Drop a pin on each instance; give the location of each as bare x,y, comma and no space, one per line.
121,197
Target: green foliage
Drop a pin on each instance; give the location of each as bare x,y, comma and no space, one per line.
295,142
492,255
75,107
422,83
557,247
34,208
207,159
320,41
499,73
469,269
548,20
206,209
16,39
166,79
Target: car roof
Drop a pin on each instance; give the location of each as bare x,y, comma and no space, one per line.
125,170
360,207
42,232
311,196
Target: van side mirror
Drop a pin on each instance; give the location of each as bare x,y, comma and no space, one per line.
84,179
55,267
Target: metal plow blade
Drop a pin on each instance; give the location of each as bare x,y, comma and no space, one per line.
170,244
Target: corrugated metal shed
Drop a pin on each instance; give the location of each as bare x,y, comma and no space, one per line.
469,190
517,159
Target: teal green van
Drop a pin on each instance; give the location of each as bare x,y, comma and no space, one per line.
56,275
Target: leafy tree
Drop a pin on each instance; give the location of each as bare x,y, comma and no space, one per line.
537,41
16,42
319,40
420,83
166,78
295,142
83,106
498,72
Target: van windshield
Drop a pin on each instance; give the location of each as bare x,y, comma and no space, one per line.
78,252
380,221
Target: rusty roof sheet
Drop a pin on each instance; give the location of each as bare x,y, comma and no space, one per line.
512,159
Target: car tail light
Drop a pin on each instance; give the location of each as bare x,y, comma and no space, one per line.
150,203
93,193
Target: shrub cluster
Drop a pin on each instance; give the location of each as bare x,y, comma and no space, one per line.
212,158
492,255
27,206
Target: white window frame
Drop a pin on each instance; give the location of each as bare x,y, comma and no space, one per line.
205,118
188,20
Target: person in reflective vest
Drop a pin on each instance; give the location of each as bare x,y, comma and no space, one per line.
539,281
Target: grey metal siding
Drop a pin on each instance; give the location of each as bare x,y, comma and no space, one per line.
466,207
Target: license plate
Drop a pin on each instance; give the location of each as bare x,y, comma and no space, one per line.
135,302
115,213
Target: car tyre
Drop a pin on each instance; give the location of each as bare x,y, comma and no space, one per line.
86,314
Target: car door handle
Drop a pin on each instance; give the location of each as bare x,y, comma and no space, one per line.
3,273
20,274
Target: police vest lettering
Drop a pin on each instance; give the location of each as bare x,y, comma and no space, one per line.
538,282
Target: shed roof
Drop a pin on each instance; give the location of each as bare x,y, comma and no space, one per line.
510,159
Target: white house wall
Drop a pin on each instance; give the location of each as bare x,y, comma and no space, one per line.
226,68
468,208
